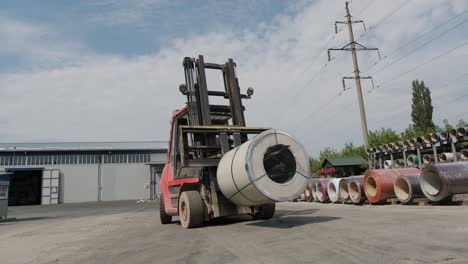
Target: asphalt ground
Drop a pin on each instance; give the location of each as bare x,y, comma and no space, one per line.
130,232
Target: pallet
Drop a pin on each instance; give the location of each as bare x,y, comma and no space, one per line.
460,198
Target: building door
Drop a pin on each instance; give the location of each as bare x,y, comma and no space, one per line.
50,186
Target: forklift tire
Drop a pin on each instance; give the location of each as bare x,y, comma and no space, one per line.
165,218
266,211
191,211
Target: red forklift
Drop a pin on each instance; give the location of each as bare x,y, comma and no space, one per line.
201,133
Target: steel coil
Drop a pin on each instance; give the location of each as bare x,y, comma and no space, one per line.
321,191
356,189
464,154
333,189
440,181
407,187
378,184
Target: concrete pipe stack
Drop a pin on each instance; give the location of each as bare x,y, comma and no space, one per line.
407,188
333,189
440,181
270,167
321,190
356,189
378,184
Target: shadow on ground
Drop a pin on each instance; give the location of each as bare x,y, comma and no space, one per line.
292,221
25,219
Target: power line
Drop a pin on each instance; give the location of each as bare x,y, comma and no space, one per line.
384,18
365,8
393,52
420,65
421,47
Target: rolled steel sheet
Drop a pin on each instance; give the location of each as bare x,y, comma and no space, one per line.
444,135
344,193
462,131
407,187
440,181
412,160
399,163
406,143
270,167
464,154
333,189
447,157
307,194
453,133
428,158
378,184
435,137
356,189
428,138
313,189
321,186
387,164
419,140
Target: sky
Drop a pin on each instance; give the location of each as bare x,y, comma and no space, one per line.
109,70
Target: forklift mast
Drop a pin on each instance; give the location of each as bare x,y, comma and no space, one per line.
196,89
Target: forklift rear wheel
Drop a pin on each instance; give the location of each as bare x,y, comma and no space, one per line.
191,209
165,218
265,212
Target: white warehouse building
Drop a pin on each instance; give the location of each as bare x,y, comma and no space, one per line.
51,173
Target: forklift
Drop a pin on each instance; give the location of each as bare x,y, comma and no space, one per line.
201,133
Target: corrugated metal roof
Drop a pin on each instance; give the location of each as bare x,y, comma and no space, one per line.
67,146
348,161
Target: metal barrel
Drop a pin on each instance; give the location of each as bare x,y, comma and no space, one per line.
440,181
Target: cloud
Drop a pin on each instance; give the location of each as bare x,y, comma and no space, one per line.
101,97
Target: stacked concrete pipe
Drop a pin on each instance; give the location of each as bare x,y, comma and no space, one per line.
356,189
333,189
378,184
407,188
321,191
440,181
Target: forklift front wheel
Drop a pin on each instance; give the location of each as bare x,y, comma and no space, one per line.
165,218
191,209
265,212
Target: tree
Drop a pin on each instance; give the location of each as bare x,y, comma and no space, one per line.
412,132
462,123
421,108
382,136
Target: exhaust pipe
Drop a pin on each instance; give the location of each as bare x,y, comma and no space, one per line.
412,160
447,157
321,190
333,189
464,154
440,181
407,188
356,189
428,158
378,184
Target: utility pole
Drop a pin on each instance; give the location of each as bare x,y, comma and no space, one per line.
353,46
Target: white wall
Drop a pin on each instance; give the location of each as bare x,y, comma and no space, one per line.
125,181
80,182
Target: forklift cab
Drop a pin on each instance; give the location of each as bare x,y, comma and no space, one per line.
4,186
